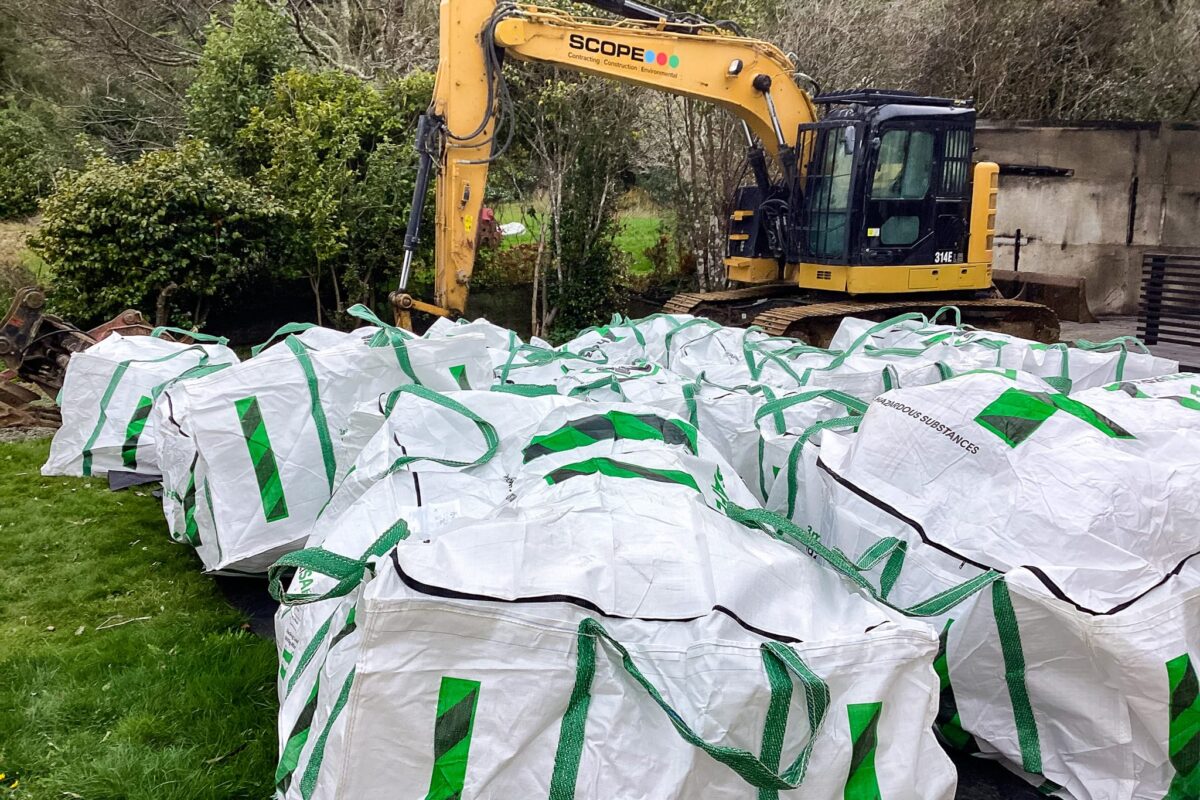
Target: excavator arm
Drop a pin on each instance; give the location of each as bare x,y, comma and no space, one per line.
683,56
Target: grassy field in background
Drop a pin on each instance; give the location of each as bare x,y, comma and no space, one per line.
639,230
123,672
19,266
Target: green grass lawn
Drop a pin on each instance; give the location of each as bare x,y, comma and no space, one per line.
638,231
123,671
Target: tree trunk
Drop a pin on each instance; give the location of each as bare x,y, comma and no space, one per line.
314,281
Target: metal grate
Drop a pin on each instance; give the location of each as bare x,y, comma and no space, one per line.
1169,311
956,160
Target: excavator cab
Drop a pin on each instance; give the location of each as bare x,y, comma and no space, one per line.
886,201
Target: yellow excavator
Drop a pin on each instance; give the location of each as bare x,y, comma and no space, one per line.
873,208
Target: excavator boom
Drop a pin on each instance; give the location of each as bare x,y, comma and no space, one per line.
751,78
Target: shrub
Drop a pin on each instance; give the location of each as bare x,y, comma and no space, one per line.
667,261
338,153
504,266
237,69
116,235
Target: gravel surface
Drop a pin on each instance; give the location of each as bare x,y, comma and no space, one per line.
24,434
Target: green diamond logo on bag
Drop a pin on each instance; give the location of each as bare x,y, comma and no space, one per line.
133,431
1015,415
1183,746
862,782
266,469
452,729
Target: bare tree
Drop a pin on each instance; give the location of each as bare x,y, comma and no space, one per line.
704,150
577,130
121,66
365,37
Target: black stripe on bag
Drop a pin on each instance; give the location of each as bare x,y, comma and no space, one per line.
453,594
1037,572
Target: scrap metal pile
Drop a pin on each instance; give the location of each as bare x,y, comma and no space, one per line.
35,348
670,559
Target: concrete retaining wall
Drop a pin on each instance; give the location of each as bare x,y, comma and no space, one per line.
1123,189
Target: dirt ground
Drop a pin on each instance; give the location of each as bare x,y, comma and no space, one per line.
12,239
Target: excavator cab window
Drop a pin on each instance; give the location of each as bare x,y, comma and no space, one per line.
899,188
830,191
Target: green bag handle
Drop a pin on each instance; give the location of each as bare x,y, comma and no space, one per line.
1113,344
286,330
793,462
772,409
838,358
540,356
784,669
775,408
807,539
348,572
111,388
613,380
617,321
490,437
690,390
198,371
316,409
1061,382
359,311
955,310
691,323
1123,343
607,382
194,335
525,389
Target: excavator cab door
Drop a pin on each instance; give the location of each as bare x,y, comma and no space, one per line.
916,194
829,218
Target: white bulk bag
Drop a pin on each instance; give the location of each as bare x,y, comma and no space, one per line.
639,382
399,474
532,365
1084,366
608,634
501,342
757,444
176,457
313,336
791,429
454,448
264,433
107,395
436,458
626,341
1071,667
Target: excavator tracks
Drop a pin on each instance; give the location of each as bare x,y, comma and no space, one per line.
816,323
690,302
781,310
